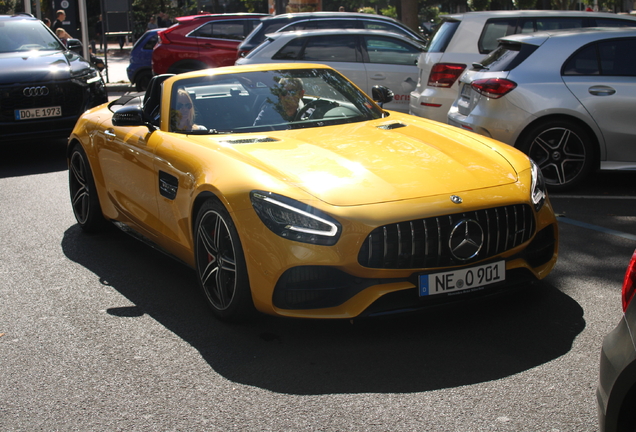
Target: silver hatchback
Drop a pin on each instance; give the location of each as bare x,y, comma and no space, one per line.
565,98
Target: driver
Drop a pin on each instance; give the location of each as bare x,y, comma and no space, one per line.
290,92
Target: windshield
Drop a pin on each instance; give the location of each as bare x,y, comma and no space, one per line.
267,100
17,35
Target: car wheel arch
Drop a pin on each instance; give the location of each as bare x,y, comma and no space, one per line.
561,172
596,141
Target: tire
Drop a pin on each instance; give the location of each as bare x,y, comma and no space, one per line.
220,264
563,150
84,200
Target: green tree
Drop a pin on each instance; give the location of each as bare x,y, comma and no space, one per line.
524,4
479,5
7,6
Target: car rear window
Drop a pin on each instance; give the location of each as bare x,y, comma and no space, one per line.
330,49
506,57
493,30
223,29
612,22
443,36
390,51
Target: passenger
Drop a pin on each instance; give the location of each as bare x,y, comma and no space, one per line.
64,37
182,116
290,92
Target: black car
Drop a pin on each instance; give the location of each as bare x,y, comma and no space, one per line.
44,87
323,20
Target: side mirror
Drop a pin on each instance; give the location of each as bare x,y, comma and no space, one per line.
75,45
129,116
381,94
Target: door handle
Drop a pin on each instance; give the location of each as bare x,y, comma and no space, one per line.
601,91
110,133
378,77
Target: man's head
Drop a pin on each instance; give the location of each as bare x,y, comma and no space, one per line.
290,92
60,15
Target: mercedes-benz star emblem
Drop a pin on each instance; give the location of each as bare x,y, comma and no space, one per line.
466,239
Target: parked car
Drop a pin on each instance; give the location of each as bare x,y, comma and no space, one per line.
45,86
139,70
201,41
337,209
616,391
366,57
324,20
565,98
462,39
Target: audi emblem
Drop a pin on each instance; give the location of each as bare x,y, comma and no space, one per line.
35,91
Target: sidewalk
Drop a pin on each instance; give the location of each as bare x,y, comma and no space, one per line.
115,76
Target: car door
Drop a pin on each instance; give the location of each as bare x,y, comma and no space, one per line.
126,155
391,62
602,76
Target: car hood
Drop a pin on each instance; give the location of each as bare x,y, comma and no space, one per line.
382,161
33,66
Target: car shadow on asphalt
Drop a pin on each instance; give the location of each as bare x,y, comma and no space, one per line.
444,347
33,157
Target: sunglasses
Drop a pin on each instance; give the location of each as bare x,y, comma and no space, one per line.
285,92
184,105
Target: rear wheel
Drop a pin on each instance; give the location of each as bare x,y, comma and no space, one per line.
84,200
220,264
562,149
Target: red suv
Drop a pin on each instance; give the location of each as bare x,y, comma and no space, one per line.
202,41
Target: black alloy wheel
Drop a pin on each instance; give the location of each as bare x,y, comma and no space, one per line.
220,264
84,200
563,151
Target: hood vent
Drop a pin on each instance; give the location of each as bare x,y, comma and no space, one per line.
250,140
392,126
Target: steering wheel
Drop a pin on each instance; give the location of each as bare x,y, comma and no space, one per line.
315,109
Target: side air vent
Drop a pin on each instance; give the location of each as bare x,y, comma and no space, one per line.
250,140
392,126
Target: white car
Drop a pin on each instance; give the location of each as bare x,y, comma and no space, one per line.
366,57
462,39
566,98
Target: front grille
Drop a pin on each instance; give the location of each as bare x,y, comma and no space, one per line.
425,243
66,94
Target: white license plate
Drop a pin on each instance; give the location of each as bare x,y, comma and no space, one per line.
462,279
37,113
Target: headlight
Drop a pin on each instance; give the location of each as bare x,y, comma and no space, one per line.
538,191
294,220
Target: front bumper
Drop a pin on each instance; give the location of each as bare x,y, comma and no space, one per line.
311,281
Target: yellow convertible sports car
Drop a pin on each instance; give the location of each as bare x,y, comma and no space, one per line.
293,193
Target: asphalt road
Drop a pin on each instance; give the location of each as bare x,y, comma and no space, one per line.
101,333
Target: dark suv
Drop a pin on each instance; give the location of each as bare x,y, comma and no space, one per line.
44,87
323,20
201,42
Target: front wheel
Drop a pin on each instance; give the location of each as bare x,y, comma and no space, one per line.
220,264
562,149
84,200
